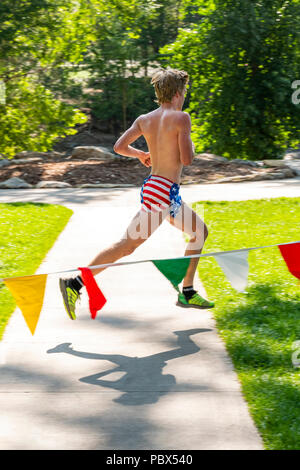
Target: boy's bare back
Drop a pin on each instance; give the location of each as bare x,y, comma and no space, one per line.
167,133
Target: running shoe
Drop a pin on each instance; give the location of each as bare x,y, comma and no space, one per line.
70,296
195,302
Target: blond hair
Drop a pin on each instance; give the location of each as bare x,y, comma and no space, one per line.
167,82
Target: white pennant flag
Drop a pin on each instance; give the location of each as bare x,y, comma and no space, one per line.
235,267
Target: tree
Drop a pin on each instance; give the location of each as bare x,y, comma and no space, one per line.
38,36
242,57
129,36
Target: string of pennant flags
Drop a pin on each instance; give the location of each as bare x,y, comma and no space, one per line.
28,291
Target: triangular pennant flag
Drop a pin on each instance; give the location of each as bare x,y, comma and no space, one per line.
291,255
173,269
235,267
96,297
28,292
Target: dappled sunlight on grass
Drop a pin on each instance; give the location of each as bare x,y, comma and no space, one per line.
260,326
28,231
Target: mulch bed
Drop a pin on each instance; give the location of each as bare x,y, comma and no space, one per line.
122,170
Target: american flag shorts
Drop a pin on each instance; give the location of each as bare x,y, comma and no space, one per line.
158,193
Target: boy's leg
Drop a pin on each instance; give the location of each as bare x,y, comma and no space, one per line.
140,228
190,223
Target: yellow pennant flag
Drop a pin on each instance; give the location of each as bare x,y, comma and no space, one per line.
28,292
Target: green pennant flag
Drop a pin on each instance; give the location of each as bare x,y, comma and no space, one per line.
173,269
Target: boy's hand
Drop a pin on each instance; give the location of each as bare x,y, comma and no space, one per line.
145,159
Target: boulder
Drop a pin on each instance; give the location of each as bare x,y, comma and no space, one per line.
85,152
239,161
52,184
15,183
275,163
238,178
4,163
42,155
26,160
285,173
292,155
211,157
29,154
294,166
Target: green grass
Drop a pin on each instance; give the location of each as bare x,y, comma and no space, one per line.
28,231
259,327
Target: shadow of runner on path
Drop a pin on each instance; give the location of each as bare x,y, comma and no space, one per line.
142,374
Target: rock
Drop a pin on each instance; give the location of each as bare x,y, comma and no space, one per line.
15,183
86,152
294,166
244,162
55,155
52,184
237,179
291,172
42,155
275,163
281,175
211,157
28,154
256,177
292,155
26,160
5,163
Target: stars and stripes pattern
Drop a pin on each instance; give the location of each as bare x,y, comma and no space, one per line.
155,193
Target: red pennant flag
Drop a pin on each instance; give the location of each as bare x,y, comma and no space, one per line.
291,255
96,297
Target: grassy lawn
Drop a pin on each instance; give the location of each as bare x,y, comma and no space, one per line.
259,327
28,231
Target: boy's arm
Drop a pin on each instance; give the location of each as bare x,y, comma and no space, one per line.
186,146
123,148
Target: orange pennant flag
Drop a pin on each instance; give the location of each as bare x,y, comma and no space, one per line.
28,292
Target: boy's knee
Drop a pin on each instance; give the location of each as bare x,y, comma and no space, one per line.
202,233
205,232
198,239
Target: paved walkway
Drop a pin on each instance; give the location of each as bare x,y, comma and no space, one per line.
145,374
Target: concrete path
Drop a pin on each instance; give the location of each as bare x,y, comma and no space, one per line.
145,374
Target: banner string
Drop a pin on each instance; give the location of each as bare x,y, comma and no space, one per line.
123,263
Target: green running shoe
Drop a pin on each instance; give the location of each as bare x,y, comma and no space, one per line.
195,302
70,296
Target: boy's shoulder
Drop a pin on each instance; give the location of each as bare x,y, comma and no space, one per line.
184,119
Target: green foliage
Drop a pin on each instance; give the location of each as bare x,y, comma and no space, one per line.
37,37
122,100
33,119
28,231
128,41
36,33
242,58
259,327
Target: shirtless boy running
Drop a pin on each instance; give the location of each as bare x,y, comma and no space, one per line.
167,131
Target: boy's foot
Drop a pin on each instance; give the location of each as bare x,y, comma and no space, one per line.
196,301
70,296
